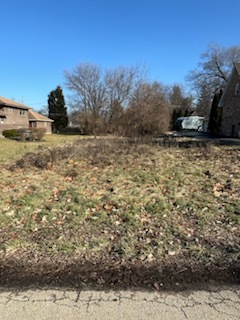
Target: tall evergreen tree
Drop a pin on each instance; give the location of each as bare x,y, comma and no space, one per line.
214,125
57,110
176,96
182,104
204,101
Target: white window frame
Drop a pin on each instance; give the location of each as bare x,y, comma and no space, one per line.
22,112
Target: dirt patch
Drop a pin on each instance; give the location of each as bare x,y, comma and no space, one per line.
29,269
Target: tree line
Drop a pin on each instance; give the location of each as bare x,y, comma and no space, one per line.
123,100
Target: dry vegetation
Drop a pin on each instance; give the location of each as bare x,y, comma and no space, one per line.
117,205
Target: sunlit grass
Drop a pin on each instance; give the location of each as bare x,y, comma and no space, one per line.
12,149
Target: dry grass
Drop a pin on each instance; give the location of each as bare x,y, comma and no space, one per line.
12,149
127,201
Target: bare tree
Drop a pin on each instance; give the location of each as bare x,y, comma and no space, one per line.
100,96
86,81
148,112
214,68
44,111
120,84
89,98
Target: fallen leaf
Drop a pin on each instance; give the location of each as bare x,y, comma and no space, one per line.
156,286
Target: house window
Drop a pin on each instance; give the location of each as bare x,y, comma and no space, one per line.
22,112
2,120
236,89
10,110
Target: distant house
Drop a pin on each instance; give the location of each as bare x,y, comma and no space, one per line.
36,120
14,115
230,104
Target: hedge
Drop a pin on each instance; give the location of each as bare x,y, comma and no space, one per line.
22,134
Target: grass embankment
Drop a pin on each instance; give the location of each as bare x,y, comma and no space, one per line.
106,211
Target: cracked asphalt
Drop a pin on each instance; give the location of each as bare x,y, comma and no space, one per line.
59,304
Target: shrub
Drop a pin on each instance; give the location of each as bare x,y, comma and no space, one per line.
38,133
32,134
24,134
148,112
12,133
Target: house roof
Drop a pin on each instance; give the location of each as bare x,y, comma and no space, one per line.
35,116
236,68
11,103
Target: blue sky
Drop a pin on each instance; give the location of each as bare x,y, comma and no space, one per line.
40,39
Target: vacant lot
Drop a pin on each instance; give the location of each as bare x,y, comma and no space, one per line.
106,211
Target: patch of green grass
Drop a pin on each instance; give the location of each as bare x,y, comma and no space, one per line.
12,149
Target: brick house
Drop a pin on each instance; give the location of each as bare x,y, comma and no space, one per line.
14,115
230,104
36,120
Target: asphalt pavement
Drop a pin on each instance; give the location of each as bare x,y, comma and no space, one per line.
63,304
208,137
